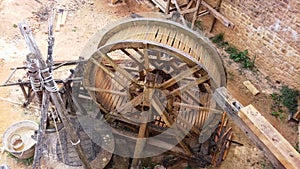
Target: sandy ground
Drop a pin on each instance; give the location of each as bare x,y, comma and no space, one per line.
82,22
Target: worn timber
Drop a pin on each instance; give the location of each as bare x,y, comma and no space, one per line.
51,86
276,148
192,6
153,76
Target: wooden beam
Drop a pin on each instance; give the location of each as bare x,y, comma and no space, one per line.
58,22
179,77
96,89
38,153
54,95
184,88
150,141
168,7
118,68
251,87
169,122
275,147
64,18
214,20
297,114
110,73
273,140
218,16
141,140
179,10
195,13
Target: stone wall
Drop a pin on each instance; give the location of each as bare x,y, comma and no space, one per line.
270,30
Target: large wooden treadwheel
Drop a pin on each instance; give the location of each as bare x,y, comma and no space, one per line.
154,77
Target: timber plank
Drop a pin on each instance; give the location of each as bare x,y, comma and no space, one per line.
275,142
260,131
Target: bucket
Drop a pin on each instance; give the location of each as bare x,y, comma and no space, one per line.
18,139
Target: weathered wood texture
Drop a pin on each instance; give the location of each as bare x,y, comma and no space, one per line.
273,140
41,131
165,7
51,86
297,114
251,87
218,15
276,148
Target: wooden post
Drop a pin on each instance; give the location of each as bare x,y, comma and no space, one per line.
218,16
51,86
296,116
275,147
168,7
196,13
179,10
41,131
214,20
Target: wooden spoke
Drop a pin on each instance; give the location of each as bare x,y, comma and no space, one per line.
146,58
179,77
188,86
143,132
132,103
160,110
110,73
136,60
95,89
195,107
193,97
118,68
138,51
131,69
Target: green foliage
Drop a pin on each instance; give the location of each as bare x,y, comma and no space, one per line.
219,38
240,57
15,25
234,53
277,114
290,98
276,106
198,24
266,165
27,162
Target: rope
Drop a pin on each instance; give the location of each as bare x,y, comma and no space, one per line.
35,78
74,144
36,84
51,87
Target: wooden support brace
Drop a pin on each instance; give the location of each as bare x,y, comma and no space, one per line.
218,16
275,147
168,7
214,20
58,22
195,13
179,10
54,95
296,116
9,77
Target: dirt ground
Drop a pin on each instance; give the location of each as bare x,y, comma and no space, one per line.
84,19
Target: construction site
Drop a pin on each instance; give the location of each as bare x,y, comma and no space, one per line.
149,84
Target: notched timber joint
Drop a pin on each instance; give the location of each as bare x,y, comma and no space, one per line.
226,101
